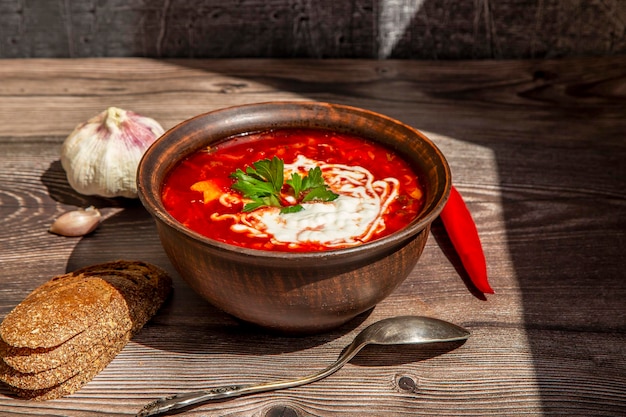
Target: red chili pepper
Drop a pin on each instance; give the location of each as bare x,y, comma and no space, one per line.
462,231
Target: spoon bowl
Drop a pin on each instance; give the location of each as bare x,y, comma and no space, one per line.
392,331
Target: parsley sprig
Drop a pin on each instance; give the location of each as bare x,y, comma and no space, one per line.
263,183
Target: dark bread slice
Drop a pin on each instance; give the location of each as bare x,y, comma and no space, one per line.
111,329
26,360
114,320
142,299
55,312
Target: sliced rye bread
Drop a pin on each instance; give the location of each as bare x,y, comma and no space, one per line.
134,291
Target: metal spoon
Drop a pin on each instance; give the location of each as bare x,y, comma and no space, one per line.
391,331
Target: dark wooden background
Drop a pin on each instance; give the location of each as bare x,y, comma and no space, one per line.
402,29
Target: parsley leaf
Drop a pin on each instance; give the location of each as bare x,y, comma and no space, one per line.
295,182
292,209
263,183
314,187
320,193
271,171
313,179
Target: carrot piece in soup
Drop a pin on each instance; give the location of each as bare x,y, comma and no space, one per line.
210,191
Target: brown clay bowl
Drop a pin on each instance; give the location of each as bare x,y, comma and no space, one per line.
293,292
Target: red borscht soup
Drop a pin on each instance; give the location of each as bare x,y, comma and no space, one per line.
330,190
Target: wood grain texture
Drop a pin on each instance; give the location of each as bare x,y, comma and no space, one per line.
536,149
406,29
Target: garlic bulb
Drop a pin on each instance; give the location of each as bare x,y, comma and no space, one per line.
77,222
100,156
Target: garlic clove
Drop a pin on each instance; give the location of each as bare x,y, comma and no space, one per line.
77,223
101,156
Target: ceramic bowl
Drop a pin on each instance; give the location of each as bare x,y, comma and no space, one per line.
293,292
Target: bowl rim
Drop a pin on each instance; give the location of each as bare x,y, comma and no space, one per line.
153,204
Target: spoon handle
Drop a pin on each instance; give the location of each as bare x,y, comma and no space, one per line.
178,401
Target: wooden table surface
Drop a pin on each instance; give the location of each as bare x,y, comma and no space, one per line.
537,148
